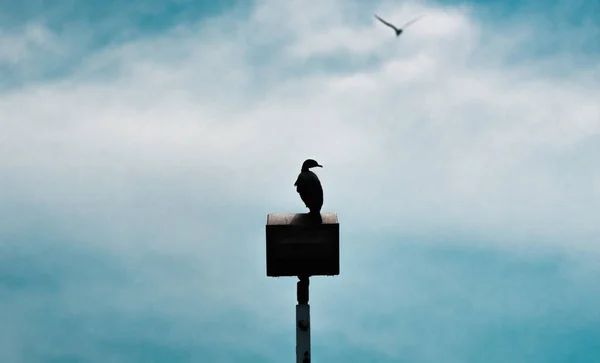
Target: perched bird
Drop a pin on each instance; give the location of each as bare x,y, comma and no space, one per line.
398,30
309,187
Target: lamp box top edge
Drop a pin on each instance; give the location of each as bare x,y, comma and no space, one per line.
279,219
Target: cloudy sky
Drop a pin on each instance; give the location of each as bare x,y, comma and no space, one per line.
143,144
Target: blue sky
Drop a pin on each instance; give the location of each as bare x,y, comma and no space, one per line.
142,146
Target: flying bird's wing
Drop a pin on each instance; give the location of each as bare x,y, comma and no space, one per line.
385,22
411,22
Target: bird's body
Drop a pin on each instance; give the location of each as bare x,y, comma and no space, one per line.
397,30
309,187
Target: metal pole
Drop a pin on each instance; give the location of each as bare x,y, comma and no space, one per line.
302,322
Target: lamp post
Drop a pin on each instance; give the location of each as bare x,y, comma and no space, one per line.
297,246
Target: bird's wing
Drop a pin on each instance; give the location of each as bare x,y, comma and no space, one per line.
303,189
385,22
411,22
303,182
310,189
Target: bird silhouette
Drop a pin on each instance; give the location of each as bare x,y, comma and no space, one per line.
397,30
309,187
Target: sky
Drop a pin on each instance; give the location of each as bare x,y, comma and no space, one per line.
142,146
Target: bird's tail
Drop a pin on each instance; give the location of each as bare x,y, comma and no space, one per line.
315,216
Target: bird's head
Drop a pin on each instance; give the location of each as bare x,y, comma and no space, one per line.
310,163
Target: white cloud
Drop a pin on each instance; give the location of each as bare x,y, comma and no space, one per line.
431,141
16,47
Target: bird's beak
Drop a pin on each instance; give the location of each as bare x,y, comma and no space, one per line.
320,166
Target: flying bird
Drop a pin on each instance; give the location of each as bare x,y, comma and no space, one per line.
309,187
397,30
